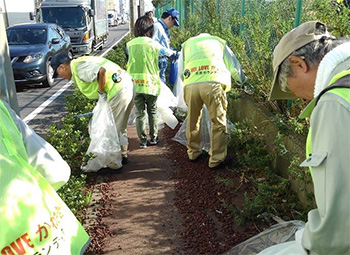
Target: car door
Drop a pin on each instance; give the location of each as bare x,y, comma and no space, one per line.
65,38
56,44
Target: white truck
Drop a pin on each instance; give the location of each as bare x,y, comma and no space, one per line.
19,11
113,7
113,18
85,22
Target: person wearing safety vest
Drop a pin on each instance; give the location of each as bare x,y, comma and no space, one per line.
143,67
33,218
206,65
100,78
161,34
312,65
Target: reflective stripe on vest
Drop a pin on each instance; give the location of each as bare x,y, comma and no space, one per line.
90,89
342,93
203,57
143,65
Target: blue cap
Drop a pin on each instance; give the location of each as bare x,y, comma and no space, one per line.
58,59
175,14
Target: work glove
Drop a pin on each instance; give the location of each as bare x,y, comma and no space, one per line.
102,96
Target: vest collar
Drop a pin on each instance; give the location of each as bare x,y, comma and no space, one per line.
333,63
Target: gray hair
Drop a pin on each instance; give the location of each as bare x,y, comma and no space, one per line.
312,53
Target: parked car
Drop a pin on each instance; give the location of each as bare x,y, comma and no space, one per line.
32,46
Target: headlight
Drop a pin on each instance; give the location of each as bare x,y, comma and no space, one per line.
33,57
86,36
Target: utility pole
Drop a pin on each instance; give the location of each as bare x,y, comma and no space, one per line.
133,15
7,83
142,8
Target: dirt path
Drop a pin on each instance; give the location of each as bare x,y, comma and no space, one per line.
164,204
135,209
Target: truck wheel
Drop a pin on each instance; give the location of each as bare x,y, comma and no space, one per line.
48,82
103,42
92,49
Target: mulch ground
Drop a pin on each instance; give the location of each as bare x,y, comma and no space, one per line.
208,226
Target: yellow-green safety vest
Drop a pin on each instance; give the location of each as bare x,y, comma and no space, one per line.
143,65
343,93
33,218
204,61
90,90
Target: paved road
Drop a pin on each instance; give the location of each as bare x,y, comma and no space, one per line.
42,107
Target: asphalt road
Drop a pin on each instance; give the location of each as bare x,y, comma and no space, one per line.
41,107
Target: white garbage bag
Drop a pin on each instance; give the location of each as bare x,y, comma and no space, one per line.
165,102
281,238
178,91
105,144
205,127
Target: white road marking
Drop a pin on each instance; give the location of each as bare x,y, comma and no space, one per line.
104,53
34,113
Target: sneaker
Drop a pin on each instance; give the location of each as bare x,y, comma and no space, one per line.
154,141
204,154
143,145
114,166
227,162
124,159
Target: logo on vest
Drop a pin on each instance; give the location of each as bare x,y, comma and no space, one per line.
187,73
116,78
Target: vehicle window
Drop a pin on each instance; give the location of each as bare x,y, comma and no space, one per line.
60,32
39,36
65,17
26,36
53,34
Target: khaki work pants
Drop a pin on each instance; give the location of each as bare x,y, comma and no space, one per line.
214,97
121,106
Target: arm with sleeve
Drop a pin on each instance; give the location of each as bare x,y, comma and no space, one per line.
42,155
165,51
88,72
234,66
160,35
328,228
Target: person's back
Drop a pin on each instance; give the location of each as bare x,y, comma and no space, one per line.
143,64
206,62
207,65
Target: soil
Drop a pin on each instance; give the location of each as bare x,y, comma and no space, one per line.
162,203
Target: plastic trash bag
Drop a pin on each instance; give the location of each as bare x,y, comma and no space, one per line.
205,127
105,144
283,232
173,70
165,101
178,91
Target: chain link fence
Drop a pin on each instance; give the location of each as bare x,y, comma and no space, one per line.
252,28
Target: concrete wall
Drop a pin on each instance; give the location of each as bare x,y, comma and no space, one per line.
247,108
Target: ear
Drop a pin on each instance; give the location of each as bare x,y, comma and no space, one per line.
298,63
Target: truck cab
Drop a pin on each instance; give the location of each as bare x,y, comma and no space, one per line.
84,21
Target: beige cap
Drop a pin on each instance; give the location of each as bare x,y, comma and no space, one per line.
293,40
